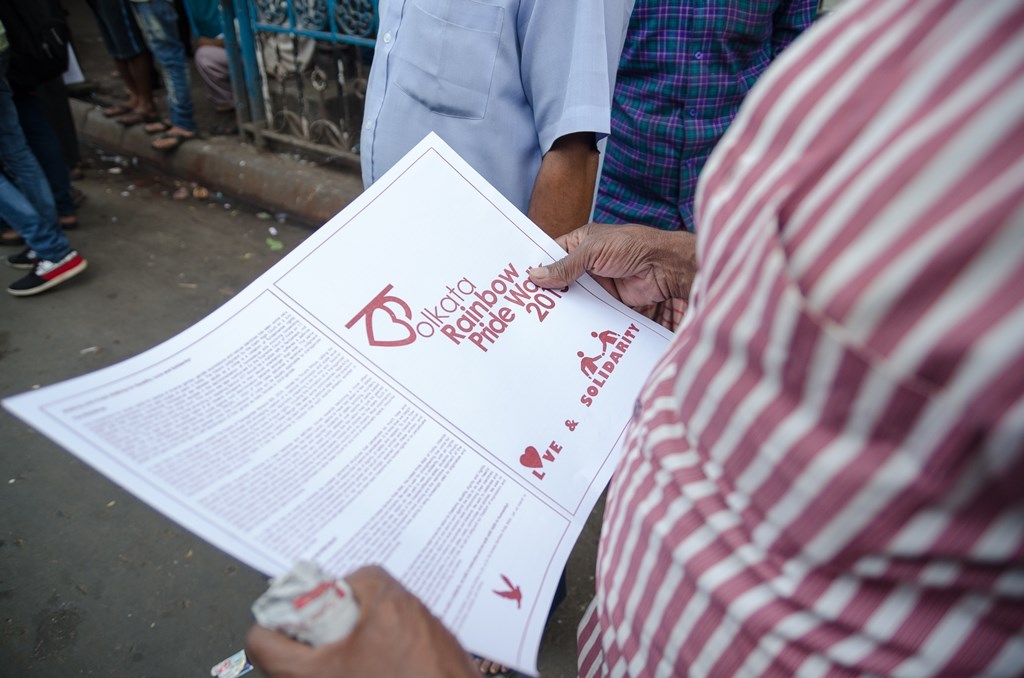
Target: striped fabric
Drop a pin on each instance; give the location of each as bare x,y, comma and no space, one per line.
826,472
685,68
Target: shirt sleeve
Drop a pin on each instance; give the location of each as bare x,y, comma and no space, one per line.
570,50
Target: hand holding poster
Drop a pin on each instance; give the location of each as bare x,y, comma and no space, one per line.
395,391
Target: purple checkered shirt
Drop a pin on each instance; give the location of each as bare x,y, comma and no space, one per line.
685,69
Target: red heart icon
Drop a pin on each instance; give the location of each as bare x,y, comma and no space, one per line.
531,458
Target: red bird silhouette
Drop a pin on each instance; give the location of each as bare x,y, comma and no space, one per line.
513,593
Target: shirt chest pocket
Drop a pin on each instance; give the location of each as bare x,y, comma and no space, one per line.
445,53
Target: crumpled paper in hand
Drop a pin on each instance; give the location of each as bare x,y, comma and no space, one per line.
308,605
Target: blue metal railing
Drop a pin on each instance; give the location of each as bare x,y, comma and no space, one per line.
352,22
338,25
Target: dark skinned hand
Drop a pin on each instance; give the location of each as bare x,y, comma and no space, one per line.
638,265
396,636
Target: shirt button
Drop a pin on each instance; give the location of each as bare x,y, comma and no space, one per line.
699,55
692,112
387,38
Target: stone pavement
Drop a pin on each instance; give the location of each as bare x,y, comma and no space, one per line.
92,581
277,181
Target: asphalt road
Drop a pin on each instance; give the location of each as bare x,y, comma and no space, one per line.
93,581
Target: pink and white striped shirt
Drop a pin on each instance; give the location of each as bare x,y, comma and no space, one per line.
825,475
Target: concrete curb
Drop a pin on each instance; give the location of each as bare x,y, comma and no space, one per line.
274,182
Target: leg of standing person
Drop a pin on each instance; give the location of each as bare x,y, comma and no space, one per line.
117,110
18,212
99,10
106,26
54,100
140,73
21,166
45,146
211,62
124,42
29,204
159,23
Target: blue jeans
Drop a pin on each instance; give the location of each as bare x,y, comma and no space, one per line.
25,197
159,23
46,147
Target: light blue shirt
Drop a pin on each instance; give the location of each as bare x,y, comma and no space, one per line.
498,80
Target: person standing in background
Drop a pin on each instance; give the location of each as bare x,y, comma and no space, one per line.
822,474
27,203
133,61
519,88
685,69
45,145
28,75
159,22
211,58
54,99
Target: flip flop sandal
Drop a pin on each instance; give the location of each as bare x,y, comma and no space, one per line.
175,139
157,127
115,110
134,118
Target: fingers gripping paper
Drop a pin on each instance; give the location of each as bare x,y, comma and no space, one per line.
308,605
394,391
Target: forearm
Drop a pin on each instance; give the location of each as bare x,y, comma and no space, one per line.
564,189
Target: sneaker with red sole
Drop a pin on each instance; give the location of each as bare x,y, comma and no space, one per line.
47,274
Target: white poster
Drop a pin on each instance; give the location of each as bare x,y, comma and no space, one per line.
394,391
